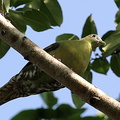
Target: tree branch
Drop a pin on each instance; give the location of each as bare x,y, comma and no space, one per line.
87,92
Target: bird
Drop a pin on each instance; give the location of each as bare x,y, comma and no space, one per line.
31,80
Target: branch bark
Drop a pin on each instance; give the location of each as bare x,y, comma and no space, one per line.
87,92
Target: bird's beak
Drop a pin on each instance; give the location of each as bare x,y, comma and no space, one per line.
101,42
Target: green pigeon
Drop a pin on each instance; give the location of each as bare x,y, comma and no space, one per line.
31,80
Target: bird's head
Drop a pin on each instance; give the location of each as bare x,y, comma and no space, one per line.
95,40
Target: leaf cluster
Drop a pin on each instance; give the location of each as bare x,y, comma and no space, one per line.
40,15
54,111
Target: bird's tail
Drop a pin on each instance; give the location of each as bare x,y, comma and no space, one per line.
10,91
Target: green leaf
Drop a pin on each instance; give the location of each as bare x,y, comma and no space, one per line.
118,27
100,65
107,34
36,19
47,114
66,37
66,112
6,5
27,115
50,8
117,3
4,47
61,112
89,27
117,17
37,114
112,43
16,3
33,5
17,20
49,99
77,101
115,64
117,20
53,10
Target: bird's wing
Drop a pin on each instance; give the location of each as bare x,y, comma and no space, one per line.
47,49
52,47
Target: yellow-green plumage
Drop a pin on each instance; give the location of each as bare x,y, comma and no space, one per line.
72,56
31,80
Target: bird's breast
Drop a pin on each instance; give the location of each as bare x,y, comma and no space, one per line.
76,59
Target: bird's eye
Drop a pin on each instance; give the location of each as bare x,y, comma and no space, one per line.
93,35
